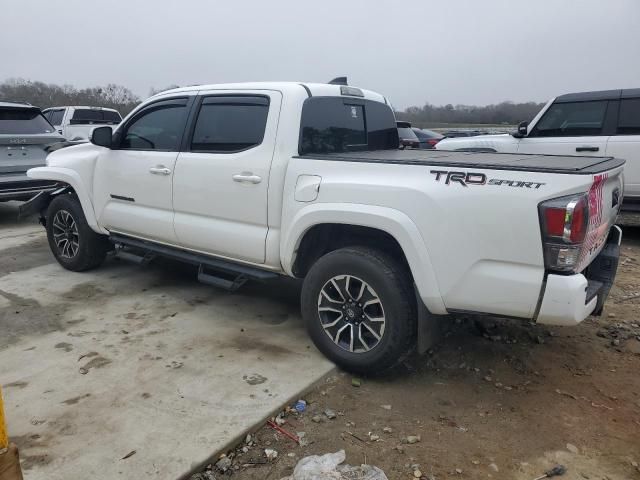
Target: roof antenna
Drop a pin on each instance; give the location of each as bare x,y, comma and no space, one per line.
339,81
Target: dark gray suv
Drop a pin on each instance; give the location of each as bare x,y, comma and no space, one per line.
25,136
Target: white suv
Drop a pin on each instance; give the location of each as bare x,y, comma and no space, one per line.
605,123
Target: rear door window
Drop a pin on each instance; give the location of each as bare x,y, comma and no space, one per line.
228,124
23,121
111,117
337,124
90,116
573,119
629,117
86,116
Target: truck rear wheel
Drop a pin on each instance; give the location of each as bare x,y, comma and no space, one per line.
359,308
73,243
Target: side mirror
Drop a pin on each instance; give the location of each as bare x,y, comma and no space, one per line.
522,130
102,136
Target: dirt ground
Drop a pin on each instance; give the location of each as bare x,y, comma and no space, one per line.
496,399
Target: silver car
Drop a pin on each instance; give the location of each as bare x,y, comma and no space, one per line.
25,138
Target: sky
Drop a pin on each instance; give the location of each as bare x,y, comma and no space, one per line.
473,52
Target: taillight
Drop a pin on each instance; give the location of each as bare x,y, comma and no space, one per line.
564,224
433,141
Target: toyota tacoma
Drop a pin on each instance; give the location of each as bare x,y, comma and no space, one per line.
255,180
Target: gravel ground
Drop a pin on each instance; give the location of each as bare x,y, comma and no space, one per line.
496,399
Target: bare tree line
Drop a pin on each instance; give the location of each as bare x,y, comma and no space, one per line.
46,95
502,113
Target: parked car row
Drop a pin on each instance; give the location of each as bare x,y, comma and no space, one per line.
28,135
25,136
599,124
412,137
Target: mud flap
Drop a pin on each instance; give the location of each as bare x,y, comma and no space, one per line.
35,205
429,326
39,203
604,266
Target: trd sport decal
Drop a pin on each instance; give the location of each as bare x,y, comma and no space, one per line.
473,178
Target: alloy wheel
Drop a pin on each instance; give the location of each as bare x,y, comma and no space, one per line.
65,234
351,313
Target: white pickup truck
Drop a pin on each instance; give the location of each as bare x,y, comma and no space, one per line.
587,123
251,181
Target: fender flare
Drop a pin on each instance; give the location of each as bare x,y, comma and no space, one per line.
72,178
389,220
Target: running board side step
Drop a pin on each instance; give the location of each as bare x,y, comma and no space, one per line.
212,271
218,281
138,259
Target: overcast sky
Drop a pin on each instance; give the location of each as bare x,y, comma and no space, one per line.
412,51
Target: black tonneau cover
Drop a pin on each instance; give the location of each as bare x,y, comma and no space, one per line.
493,161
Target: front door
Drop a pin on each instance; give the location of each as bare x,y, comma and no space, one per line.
222,175
133,180
569,128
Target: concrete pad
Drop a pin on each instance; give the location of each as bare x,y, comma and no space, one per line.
99,364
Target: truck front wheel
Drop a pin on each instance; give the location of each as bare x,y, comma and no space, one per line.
73,243
359,308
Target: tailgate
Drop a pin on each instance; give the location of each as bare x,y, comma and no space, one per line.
605,198
19,153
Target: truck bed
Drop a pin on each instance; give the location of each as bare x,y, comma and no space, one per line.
572,165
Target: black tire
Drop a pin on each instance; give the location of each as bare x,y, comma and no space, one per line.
392,284
91,247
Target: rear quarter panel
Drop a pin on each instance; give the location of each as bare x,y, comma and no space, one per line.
482,243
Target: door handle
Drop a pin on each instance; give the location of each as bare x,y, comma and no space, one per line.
587,149
247,177
160,170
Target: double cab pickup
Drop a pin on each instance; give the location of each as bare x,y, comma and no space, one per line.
255,180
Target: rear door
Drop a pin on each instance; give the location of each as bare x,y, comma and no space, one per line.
570,128
625,144
222,174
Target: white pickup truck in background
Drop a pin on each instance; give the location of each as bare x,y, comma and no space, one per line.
605,123
252,181
76,123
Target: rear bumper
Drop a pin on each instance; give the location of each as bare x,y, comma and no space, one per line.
21,187
569,299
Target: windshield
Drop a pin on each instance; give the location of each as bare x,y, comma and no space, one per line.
23,121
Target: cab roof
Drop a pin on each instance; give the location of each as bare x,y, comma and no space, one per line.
312,89
598,95
88,107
